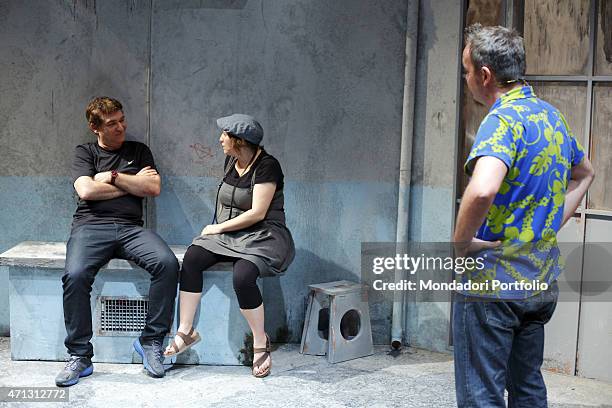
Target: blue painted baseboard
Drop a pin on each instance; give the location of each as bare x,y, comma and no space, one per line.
37,320
4,302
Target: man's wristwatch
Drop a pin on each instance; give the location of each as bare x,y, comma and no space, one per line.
113,177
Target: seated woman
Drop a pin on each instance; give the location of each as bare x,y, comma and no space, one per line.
249,231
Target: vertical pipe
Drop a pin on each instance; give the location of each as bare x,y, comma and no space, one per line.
412,29
148,202
588,139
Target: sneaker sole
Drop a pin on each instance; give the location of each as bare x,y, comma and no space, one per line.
145,362
85,373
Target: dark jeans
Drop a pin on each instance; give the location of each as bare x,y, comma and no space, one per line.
500,345
89,248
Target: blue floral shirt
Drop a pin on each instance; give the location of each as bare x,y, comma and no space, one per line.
535,142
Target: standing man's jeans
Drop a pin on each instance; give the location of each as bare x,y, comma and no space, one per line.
89,248
500,345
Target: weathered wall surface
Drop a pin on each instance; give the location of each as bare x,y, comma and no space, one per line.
324,78
54,56
434,157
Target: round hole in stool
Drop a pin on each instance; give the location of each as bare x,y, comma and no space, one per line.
350,324
323,324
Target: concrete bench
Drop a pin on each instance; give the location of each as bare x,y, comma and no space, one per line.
118,302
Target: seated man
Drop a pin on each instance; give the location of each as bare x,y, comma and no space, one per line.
111,176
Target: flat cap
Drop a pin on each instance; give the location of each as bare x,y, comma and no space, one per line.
242,126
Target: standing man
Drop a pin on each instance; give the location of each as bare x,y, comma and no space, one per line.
111,176
528,176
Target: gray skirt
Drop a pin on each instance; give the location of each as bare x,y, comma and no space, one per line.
268,244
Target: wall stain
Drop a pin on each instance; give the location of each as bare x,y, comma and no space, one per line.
4,11
202,153
263,17
485,12
198,70
130,6
52,108
558,33
606,26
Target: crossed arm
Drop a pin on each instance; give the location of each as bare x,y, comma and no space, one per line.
146,183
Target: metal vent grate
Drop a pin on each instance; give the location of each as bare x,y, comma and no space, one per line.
121,316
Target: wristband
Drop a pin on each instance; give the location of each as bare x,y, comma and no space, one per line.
114,175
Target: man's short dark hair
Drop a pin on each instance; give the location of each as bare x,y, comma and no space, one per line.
499,48
101,105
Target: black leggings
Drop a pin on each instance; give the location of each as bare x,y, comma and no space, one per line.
198,259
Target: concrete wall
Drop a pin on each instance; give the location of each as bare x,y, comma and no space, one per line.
324,78
434,156
54,56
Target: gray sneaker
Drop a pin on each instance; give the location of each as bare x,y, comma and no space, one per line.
152,357
75,368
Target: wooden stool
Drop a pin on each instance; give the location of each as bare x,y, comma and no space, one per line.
348,334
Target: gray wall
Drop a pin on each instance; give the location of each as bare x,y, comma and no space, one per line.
434,156
54,56
325,78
